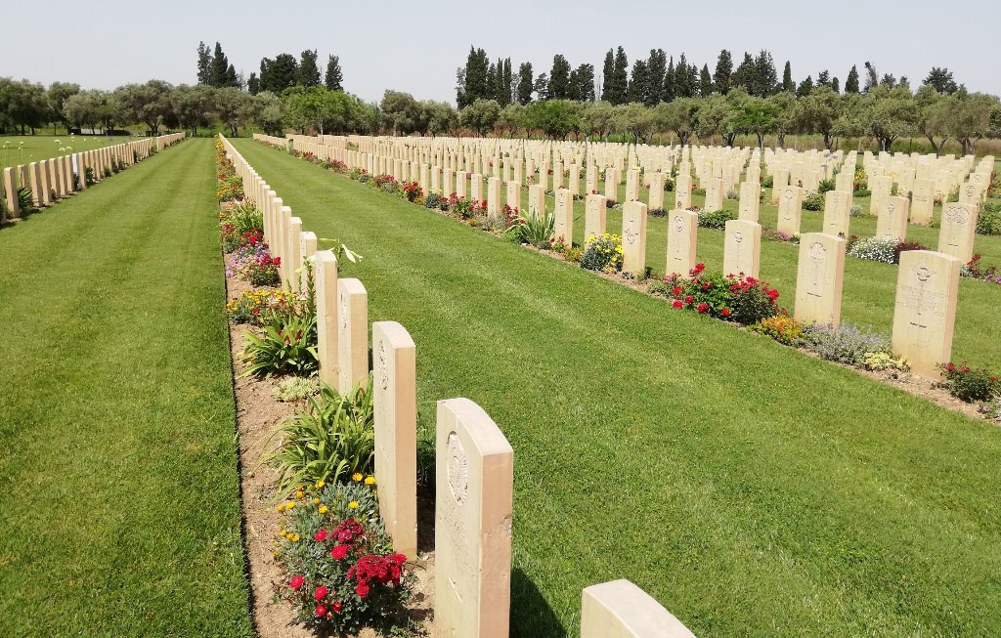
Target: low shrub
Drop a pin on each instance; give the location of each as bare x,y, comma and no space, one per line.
975,270
287,345
25,203
813,202
856,211
341,572
903,246
768,181
699,191
333,438
847,343
826,185
412,190
783,328
602,253
875,249
970,385
770,234
989,222
535,230
260,306
716,219
740,299
878,361
733,194
230,188
434,201
295,389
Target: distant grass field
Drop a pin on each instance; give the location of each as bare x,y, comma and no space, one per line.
750,489
17,149
121,514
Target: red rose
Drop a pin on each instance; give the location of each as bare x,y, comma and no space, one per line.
338,606
676,291
362,589
320,592
339,552
689,299
296,582
320,536
321,610
725,312
677,304
703,307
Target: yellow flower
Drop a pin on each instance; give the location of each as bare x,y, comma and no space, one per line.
356,476
323,509
370,480
316,501
320,484
281,507
353,505
298,494
289,505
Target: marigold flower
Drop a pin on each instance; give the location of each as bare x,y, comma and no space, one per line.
357,476
320,484
322,509
370,480
353,505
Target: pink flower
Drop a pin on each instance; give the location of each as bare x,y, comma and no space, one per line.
320,536
320,592
295,583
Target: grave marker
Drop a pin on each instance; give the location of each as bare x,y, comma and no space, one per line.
819,278
682,234
924,313
352,326
742,248
634,219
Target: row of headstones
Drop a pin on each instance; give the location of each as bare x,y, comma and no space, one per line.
474,460
57,178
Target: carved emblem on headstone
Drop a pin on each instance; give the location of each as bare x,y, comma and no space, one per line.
458,468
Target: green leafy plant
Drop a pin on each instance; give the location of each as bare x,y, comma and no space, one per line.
989,222
286,345
262,306
24,201
968,384
332,439
295,389
716,219
535,230
813,202
602,253
847,343
826,185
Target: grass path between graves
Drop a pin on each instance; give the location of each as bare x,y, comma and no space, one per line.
121,511
750,489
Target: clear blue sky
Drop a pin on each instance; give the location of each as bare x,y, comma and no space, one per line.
416,46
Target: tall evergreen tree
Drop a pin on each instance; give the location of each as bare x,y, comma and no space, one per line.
805,87
823,78
836,85
491,80
851,84
280,73
637,83
620,77
525,83
788,86
253,84
585,83
607,72
668,92
334,77
686,78
204,63
941,80
724,71
220,66
232,79
744,76
656,69
559,79
474,78
507,85
309,70
766,75
705,82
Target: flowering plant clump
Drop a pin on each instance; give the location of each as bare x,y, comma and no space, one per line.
382,181
342,574
875,249
511,215
262,270
741,299
883,361
256,306
783,328
861,181
337,166
770,234
602,253
716,219
975,270
412,190
970,385
847,343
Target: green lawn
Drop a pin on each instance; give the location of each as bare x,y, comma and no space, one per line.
869,287
121,511
752,490
18,149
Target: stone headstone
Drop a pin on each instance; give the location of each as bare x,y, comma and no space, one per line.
494,205
924,313
634,217
573,180
514,195
683,192
959,225
837,212
632,185
563,228
327,348
294,251
394,397
594,215
742,248
714,195
750,201
922,201
819,278
611,185
10,192
536,200
892,221
656,199
307,252
352,326
682,234
476,187
473,509
881,186
790,209
448,177
620,609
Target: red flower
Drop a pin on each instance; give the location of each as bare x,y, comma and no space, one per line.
339,552
676,291
689,299
320,592
320,536
677,304
338,606
321,610
362,589
725,312
295,583
951,367
700,267
703,307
